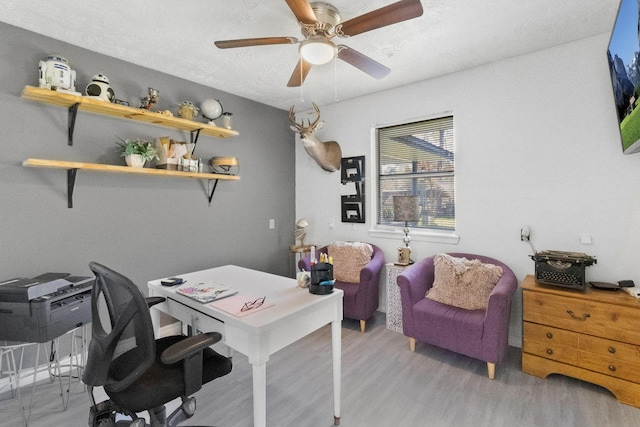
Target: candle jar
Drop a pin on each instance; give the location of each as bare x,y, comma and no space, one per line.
226,120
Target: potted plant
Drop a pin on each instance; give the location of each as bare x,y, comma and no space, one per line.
137,151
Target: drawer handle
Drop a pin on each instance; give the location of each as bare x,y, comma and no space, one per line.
612,350
549,335
583,318
549,351
612,368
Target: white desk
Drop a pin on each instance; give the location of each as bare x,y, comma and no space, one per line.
296,313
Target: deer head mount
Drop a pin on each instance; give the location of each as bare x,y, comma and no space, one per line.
327,154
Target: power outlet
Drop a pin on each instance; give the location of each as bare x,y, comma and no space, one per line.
525,234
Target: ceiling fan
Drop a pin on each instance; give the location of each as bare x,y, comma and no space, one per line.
320,22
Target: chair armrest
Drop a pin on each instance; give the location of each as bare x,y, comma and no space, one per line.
416,279
151,301
189,346
305,263
497,317
371,272
500,299
413,283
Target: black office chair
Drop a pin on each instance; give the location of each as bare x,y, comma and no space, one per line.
138,372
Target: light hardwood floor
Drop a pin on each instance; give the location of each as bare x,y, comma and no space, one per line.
383,384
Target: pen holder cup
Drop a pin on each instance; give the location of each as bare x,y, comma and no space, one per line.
321,272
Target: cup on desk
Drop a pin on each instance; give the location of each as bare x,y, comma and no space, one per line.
304,279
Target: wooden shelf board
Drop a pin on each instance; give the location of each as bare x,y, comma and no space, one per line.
96,106
99,167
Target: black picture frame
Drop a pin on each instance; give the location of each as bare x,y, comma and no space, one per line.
352,173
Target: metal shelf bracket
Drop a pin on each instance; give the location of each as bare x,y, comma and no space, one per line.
71,121
71,182
211,190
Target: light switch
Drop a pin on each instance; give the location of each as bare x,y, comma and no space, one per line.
272,224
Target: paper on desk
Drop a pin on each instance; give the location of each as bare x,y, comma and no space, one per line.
233,305
206,292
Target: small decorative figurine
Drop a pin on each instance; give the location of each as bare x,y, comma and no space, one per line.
56,74
99,88
187,110
152,98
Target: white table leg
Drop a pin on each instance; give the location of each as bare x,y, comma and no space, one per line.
155,320
260,395
336,344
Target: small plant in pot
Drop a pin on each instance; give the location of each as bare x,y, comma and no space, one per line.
137,151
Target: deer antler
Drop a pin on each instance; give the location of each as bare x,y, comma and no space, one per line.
292,119
315,122
300,126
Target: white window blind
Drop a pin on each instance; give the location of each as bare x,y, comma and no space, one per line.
417,159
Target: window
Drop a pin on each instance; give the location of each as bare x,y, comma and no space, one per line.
417,159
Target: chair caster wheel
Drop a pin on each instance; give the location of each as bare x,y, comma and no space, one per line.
189,406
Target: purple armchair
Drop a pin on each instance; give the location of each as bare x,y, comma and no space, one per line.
481,334
360,299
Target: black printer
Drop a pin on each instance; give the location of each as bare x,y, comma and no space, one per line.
44,307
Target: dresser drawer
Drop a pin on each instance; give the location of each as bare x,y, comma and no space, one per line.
583,315
609,348
610,365
550,335
550,343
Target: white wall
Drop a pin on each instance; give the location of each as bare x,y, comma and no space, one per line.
536,144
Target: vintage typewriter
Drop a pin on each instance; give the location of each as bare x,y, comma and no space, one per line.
565,269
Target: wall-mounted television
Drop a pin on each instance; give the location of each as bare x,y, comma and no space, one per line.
624,64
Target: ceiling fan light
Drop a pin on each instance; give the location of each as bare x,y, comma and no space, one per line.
318,50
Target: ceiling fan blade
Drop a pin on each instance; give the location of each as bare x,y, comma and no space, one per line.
362,62
260,41
392,14
299,73
302,10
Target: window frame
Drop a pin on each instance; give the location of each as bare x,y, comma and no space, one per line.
391,231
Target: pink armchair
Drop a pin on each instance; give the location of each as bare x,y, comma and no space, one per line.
481,334
360,299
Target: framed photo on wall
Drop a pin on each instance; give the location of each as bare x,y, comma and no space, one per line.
352,174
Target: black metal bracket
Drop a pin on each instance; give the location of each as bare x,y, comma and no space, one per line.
71,182
194,140
210,192
71,121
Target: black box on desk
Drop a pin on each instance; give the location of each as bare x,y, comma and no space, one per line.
321,272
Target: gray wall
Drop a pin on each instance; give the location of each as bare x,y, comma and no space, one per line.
142,226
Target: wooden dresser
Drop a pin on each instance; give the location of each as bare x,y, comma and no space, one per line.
592,335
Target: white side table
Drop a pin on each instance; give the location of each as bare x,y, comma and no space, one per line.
394,305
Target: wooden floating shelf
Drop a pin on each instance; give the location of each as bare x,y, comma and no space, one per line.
100,167
73,167
96,106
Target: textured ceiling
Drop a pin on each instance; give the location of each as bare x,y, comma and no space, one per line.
176,37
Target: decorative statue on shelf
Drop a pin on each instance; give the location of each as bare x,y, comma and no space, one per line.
148,101
187,110
300,232
326,154
99,88
56,74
